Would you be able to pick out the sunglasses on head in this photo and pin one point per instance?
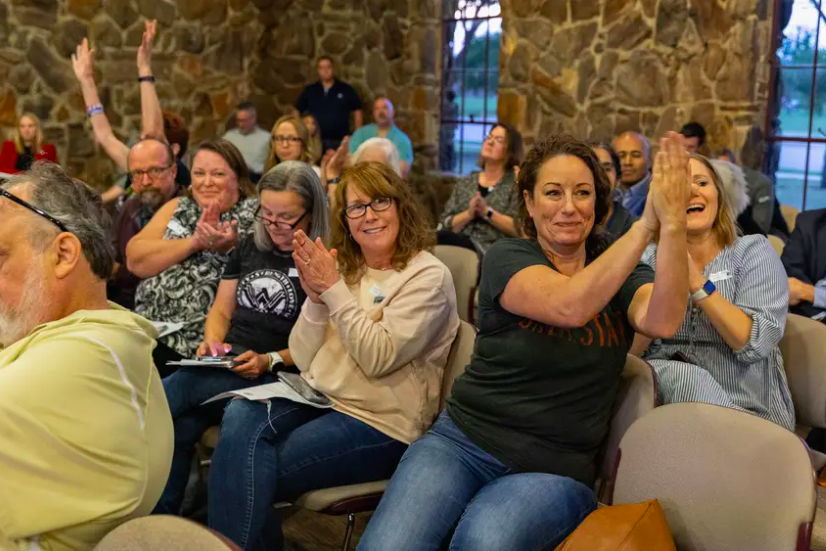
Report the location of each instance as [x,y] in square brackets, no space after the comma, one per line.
[34,209]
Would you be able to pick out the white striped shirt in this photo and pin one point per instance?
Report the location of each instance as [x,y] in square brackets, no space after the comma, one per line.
[748,274]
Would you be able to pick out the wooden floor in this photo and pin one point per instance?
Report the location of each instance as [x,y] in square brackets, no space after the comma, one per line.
[308,531]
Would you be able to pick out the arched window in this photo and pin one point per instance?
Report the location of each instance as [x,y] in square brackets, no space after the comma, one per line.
[470,80]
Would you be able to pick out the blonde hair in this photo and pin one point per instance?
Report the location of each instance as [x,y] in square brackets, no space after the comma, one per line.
[725,225]
[303,135]
[38,136]
[314,145]
[377,180]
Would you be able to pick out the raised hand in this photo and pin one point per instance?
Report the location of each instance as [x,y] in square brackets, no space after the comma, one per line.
[315,262]
[145,49]
[83,62]
[335,164]
[671,181]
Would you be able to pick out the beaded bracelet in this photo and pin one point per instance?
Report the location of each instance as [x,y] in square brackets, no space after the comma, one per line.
[96,109]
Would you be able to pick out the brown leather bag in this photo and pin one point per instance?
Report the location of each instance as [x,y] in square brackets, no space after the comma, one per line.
[633,527]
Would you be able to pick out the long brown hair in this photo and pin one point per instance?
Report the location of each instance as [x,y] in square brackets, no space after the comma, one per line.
[303,135]
[38,135]
[376,180]
[548,148]
[236,163]
[314,145]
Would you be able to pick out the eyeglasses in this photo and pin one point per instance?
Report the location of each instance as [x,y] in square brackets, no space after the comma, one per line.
[280,224]
[501,140]
[378,204]
[153,172]
[34,209]
[289,140]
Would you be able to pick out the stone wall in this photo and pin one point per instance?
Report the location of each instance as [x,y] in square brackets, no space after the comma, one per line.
[597,68]
[210,54]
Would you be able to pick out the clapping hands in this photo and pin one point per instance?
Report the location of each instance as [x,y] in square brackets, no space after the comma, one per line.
[317,267]
[670,189]
[212,234]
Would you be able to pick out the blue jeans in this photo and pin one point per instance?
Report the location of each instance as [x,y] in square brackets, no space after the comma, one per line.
[275,452]
[448,489]
[186,390]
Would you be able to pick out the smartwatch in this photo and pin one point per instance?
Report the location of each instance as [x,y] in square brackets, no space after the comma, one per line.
[489,213]
[275,359]
[703,292]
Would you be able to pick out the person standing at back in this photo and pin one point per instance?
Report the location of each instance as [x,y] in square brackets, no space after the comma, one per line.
[384,126]
[251,140]
[330,101]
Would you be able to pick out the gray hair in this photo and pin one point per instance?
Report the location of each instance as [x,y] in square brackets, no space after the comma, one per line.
[76,205]
[390,151]
[299,178]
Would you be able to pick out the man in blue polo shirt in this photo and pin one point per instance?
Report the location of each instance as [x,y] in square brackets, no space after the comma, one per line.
[330,101]
[385,127]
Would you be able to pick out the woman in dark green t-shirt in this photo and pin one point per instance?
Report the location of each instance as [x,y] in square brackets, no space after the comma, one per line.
[510,464]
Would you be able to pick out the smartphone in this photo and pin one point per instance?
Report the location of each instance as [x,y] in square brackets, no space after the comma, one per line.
[303,388]
[225,362]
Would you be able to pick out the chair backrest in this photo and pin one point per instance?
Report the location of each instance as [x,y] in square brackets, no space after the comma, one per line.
[636,396]
[803,347]
[460,353]
[790,215]
[464,267]
[726,480]
[777,244]
[164,532]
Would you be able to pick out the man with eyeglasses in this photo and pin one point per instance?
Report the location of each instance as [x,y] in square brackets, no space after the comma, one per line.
[85,430]
[635,159]
[152,169]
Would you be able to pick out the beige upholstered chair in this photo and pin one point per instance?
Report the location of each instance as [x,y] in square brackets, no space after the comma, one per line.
[165,533]
[804,356]
[464,267]
[777,244]
[790,215]
[726,480]
[636,396]
[359,498]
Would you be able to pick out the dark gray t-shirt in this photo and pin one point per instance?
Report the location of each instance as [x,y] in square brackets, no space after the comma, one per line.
[268,298]
[538,397]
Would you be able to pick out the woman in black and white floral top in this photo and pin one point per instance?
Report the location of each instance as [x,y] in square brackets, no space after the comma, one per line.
[181,253]
[483,206]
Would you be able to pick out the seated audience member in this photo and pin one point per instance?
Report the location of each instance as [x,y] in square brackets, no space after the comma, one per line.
[156,124]
[251,140]
[289,143]
[17,155]
[331,101]
[519,440]
[634,153]
[726,350]
[181,253]
[374,336]
[733,184]
[483,206]
[86,435]
[385,127]
[152,170]
[695,137]
[760,190]
[619,219]
[804,258]
[258,301]
[314,144]
[374,150]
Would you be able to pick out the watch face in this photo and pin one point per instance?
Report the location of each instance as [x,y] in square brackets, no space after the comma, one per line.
[709,287]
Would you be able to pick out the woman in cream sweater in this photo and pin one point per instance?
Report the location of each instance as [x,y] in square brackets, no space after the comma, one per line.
[373,335]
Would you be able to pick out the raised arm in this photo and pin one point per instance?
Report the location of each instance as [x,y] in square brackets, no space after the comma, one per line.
[148,253]
[83,65]
[151,113]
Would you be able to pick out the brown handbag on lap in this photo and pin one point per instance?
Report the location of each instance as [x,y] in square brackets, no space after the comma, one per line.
[634,527]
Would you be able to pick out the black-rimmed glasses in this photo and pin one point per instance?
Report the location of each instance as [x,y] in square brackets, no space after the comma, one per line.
[34,209]
[378,204]
[280,224]
[153,172]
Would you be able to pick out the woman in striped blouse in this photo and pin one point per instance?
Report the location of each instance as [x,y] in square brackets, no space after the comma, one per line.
[726,351]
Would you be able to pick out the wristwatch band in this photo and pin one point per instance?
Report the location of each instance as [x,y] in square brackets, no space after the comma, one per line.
[146,79]
[703,292]
[275,358]
[489,213]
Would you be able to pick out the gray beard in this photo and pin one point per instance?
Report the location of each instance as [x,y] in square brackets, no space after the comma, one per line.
[152,199]
[17,322]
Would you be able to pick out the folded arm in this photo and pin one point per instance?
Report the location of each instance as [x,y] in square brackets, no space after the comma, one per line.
[148,253]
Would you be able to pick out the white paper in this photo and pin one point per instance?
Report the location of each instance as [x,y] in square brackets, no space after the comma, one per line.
[819,317]
[265,392]
[166,328]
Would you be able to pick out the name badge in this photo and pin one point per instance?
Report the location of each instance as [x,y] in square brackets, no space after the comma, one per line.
[375,290]
[292,273]
[175,228]
[720,276]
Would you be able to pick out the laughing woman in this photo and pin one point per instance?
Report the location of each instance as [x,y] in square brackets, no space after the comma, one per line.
[726,351]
